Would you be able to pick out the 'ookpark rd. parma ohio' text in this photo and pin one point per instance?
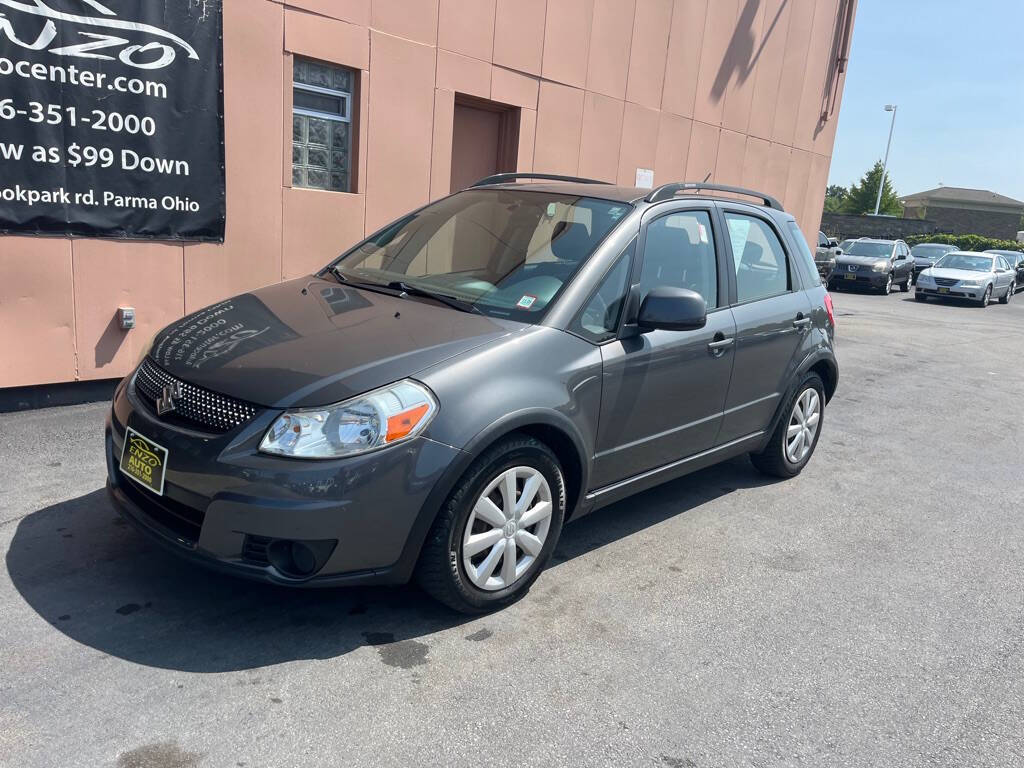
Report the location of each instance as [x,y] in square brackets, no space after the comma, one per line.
[90,198]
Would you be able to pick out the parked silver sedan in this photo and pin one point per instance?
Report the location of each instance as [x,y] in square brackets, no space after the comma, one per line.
[978,277]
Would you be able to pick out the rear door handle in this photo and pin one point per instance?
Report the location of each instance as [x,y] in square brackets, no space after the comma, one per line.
[801,322]
[719,346]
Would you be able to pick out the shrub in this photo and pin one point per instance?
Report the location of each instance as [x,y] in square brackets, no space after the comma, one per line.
[968,242]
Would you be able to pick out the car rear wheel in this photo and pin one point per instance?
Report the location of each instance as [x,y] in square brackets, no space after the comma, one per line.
[1009,294]
[498,528]
[793,442]
[985,297]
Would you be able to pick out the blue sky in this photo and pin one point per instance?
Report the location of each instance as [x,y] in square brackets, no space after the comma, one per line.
[956,70]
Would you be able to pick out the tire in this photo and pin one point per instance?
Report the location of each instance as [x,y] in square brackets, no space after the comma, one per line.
[986,297]
[887,288]
[441,570]
[1009,293]
[774,459]
[920,297]
[905,286]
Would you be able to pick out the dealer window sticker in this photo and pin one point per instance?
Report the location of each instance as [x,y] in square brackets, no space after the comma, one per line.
[526,301]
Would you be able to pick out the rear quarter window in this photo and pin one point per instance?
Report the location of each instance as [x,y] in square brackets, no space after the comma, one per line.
[810,275]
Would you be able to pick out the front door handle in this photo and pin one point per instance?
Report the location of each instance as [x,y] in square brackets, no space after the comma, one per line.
[801,322]
[719,345]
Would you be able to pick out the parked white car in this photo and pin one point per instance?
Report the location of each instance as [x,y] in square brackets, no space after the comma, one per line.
[968,275]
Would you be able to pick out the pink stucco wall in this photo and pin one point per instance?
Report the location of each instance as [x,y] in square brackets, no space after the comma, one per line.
[734,88]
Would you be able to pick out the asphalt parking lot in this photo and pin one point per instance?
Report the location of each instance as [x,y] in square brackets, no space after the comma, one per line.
[867,613]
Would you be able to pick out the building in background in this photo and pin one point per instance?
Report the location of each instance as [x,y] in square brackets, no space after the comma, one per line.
[960,211]
[340,115]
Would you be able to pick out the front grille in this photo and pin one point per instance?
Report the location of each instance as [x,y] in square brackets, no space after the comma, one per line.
[197,406]
[254,550]
[946,281]
[183,521]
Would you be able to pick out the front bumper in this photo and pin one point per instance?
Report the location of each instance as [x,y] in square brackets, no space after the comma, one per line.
[227,506]
[952,292]
[861,278]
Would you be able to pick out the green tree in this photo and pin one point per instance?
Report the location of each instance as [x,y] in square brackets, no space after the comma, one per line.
[862,195]
[834,197]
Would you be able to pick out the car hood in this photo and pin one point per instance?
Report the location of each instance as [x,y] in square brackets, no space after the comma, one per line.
[311,342]
[861,261]
[957,274]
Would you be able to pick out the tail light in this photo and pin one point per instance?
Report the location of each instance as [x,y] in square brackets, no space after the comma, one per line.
[828,308]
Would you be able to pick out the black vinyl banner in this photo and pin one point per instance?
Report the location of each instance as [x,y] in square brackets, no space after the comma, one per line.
[112,119]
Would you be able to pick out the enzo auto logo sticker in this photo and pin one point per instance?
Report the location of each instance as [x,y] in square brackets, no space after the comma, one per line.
[137,50]
[144,461]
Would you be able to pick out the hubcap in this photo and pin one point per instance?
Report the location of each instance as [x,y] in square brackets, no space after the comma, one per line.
[888,284]
[507,528]
[803,425]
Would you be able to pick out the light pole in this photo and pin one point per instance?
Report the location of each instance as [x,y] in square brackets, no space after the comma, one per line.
[885,164]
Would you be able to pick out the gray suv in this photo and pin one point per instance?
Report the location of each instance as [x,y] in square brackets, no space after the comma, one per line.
[440,400]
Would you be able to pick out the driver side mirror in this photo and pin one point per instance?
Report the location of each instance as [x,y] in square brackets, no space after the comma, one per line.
[672,309]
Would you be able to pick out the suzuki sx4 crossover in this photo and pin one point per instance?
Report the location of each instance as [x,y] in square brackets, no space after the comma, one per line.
[439,401]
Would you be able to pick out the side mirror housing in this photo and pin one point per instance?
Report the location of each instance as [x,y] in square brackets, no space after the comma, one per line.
[839,251]
[672,309]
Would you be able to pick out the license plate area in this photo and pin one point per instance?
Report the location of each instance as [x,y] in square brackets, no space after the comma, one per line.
[943,290]
[144,461]
[850,277]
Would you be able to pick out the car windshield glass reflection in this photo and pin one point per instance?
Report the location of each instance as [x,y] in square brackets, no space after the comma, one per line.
[962,261]
[879,250]
[928,251]
[506,253]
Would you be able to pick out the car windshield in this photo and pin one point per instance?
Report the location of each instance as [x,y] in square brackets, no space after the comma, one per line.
[505,253]
[865,248]
[965,261]
[929,251]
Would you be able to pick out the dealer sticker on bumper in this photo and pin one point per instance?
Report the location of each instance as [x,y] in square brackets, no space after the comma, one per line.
[144,461]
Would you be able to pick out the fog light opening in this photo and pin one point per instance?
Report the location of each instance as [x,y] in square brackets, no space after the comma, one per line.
[299,559]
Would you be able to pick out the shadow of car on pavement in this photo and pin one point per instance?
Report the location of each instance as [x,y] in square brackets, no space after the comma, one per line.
[91,576]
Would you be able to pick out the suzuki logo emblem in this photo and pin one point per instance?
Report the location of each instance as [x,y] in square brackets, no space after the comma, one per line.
[166,404]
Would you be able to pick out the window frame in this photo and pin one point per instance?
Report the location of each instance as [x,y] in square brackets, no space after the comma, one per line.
[628,252]
[795,278]
[349,116]
[668,209]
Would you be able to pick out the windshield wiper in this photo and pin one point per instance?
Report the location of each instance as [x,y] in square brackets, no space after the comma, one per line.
[450,301]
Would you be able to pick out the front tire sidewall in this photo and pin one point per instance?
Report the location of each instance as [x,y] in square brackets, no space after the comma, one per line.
[464,595]
[986,298]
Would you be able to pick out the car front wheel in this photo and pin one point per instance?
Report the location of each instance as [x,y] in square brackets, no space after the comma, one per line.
[793,442]
[985,297]
[497,529]
[887,288]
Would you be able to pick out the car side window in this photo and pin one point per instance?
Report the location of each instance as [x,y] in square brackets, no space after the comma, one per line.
[1003,263]
[599,318]
[680,252]
[762,269]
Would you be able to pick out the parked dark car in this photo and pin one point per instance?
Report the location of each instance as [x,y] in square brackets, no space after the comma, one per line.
[1016,262]
[825,255]
[926,254]
[874,264]
[439,400]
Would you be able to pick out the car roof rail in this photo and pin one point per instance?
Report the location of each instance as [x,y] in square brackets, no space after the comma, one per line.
[668,191]
[502,178]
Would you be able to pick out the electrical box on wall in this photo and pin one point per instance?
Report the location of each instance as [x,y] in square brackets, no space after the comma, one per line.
[126,317]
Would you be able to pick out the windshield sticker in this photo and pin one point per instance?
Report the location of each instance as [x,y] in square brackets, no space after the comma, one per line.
[526,302]
[616,213]
[702,232]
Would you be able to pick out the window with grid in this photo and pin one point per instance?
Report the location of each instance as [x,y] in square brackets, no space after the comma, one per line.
[321,125]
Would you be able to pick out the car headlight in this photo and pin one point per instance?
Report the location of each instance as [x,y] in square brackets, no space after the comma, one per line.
[970,284]
[376,419]
[882,266]
[924,277]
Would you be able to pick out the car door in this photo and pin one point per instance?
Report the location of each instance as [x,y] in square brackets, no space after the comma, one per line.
[664,391]
[772,315]
[1004,275]
[904,264]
